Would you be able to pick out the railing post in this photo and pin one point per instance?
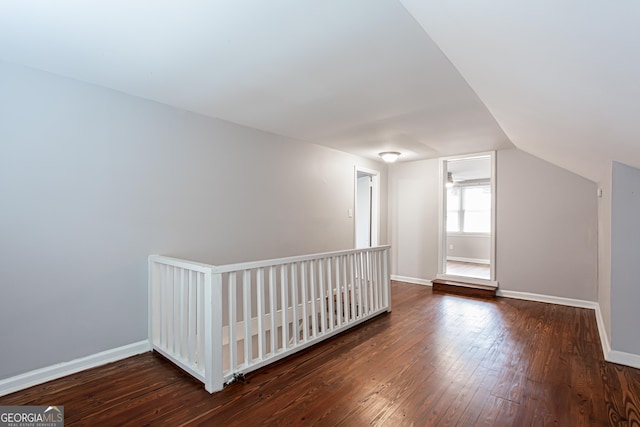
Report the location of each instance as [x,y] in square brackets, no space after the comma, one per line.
[387,282]
[214,380]
[151,327]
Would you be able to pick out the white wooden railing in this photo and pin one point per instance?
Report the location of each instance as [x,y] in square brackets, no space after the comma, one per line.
[219,321]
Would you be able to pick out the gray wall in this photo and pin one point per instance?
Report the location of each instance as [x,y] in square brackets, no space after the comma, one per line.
[546,228]
[92,181]
[476,246]
[546,234]
[625,265]
[413,218]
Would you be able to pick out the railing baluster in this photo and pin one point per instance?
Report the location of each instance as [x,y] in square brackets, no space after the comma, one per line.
[374,280]
[322,296]
[233,322]
[180,313]
[330,294]
[379,279]
[260,303]
[163,307]
[176,310]
[170,316]
[272,308]
[365,282]
[246,315]
[358,285]
[284,285]
[305,302]
[385,275]
[345,289]
[352,270]
[294,304]
[184,313]
[314,310]
[361,288]
[200,320]
[370,289]
[192,317]
[338,261]
[367,256]
[164,326]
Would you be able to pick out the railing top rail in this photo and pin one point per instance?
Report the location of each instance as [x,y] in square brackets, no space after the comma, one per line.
[176,262]
[289,260]
[257,264]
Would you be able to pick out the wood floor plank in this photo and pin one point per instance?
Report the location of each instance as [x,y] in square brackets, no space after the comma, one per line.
[460,402]
[437,359]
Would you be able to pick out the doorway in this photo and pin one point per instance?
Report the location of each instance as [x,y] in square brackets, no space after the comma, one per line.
[467,219]
[367,207]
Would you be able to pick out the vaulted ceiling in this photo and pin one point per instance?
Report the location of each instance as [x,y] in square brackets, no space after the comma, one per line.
[427,78]
[561,77]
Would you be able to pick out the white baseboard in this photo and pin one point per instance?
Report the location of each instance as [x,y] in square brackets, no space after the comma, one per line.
[604,337]
[472,260]
[411,280]
[547,298]
[622,358]
[42,375]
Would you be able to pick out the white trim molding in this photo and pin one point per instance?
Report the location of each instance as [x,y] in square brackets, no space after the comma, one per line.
[413,280]
[42,375]
[375,204]
[442,210]
[614,356]
[547,298]
[473,260]
[622,358]
[467,279]
[602,330]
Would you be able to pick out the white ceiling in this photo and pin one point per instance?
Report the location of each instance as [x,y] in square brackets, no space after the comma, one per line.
[470,168]
[361,76]
[559,77]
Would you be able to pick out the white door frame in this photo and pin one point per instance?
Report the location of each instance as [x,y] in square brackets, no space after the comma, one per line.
[442,225]
[375,203]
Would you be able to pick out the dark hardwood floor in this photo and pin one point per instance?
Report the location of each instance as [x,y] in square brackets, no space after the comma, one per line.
[437,359]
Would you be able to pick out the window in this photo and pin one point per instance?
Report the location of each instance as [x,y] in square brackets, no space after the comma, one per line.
[469,208]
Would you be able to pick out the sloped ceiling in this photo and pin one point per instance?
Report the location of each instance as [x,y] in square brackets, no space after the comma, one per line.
[562,78]
[558,79]
[361,76]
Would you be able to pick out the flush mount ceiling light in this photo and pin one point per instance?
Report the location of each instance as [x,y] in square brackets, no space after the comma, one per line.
[389,156]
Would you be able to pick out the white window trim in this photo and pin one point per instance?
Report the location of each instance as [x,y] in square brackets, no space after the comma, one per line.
[442,225]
